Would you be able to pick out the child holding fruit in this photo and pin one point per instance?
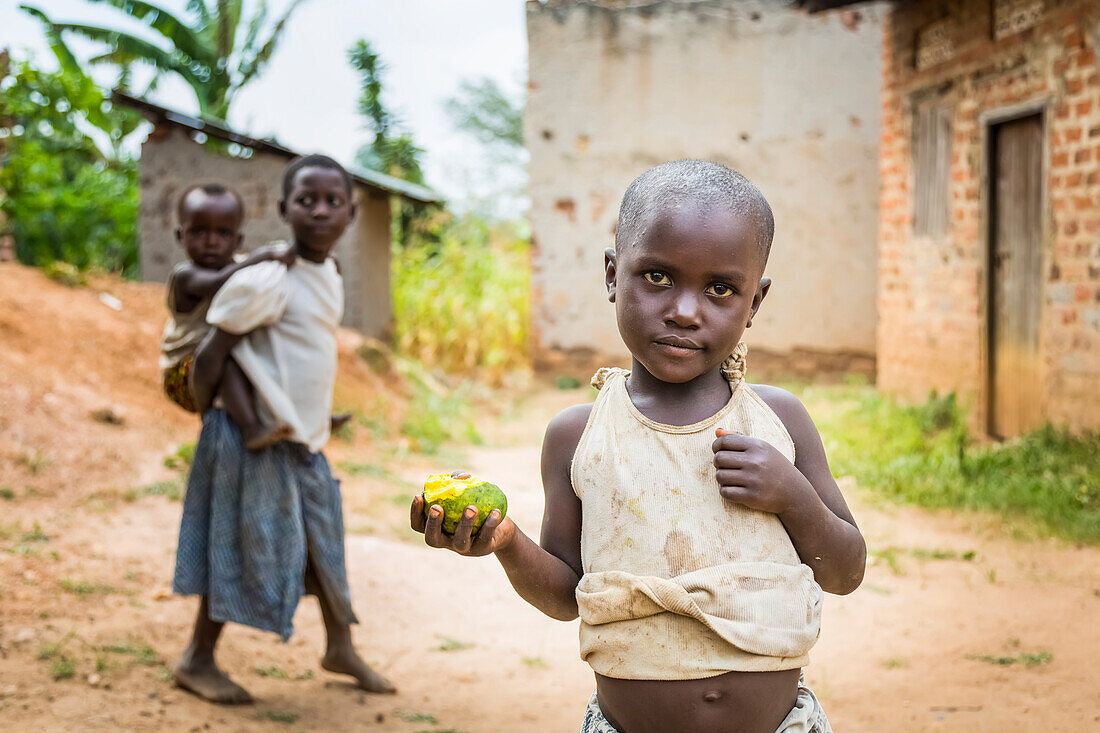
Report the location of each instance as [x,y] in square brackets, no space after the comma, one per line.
[691,519]
[260,528]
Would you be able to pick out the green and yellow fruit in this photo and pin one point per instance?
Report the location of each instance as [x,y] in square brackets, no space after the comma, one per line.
[456,491]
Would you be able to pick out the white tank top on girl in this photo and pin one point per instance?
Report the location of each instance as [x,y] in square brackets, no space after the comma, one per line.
[678,582]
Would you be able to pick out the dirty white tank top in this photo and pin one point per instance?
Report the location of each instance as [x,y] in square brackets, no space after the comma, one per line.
[678,582]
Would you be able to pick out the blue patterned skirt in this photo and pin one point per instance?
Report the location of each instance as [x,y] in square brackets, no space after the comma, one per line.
[250,523]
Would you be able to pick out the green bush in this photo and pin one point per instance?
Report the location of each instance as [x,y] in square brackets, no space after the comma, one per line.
[462,298]
[65,199]
[923,455]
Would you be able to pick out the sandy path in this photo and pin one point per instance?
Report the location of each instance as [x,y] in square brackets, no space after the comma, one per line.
[893,656]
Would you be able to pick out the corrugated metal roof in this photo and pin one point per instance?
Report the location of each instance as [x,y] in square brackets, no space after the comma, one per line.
[217,129]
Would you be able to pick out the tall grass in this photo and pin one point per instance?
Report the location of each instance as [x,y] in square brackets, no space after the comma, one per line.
[923,455]
[462,298]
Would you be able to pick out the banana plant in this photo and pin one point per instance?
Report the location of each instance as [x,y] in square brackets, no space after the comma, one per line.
[213,50]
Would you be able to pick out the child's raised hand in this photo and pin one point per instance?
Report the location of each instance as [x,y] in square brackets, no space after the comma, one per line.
[751,472]
[494,534]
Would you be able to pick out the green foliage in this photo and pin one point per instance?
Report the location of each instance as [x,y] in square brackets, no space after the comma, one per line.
[141,652]
[484,110]
[462,303]
[281,716]
[391,151]
[923,455]
[65,199]
[1025,658]
[271,671]
[214,50]
[433,419]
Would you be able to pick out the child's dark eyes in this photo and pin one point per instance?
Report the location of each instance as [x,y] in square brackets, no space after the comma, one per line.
[720,290]
[658,278]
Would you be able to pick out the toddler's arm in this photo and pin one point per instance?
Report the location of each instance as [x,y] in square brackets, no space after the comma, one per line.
[546,574]
[197,283]
[804,495]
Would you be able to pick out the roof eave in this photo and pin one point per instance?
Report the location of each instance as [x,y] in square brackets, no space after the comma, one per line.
[217,129]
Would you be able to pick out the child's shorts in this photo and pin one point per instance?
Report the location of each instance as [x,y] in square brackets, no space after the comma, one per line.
[177,384]
[805,717]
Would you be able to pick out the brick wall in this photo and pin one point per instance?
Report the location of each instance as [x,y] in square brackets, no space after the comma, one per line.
[932,295]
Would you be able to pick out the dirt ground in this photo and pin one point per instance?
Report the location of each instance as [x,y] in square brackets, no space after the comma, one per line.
[957,627]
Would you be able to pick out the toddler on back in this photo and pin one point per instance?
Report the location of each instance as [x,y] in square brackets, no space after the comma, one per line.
[210,218]
[691,519]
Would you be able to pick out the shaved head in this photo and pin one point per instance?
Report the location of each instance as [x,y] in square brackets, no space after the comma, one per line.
[697,183]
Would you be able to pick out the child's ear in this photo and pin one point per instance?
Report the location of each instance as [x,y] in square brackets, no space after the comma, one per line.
[352,212]
[179,235]
[609,273]
[282,209]
[761,293]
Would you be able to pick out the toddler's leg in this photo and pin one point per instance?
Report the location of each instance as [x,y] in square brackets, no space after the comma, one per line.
[196,670]
[240,402]
[206,370]
[340,655]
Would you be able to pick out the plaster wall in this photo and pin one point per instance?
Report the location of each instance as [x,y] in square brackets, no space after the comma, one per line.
[790,100]
[171,161]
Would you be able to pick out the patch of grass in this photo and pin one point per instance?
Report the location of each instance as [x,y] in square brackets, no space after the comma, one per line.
[36,461]
[142,653]
[7,493]
[63,669]
[454,645]
[923,455]
[172,489]
[65,273]
[535,662]
[36,535]
[566,382]
[52,650]
[270,671]
[895,662]
[433,418]
[182,458]
[1025,658]
[84,588]
[374,470]
[922,553]
[102,663]
[280,716]
[889,555]
[410,717]
[307,675]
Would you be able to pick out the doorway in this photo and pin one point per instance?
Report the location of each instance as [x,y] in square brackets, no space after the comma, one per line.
[1015,275]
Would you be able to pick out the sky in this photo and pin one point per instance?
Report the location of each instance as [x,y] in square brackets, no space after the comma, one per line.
[306,97]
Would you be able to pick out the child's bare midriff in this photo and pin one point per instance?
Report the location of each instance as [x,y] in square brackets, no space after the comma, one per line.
[745,702]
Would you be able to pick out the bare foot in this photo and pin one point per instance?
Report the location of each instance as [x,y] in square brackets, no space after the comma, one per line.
[209,682]
[263,437]
[348,662]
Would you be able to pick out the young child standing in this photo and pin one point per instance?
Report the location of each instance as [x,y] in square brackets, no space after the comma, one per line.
[261,528]
[210,218]
[691,520]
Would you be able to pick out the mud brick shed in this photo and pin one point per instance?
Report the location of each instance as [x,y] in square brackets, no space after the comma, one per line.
[989,238]
[174,157]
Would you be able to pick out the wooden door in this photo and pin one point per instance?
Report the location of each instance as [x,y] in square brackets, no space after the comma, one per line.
[1015,271]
